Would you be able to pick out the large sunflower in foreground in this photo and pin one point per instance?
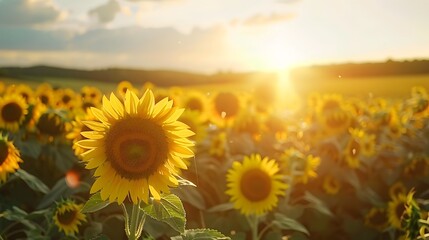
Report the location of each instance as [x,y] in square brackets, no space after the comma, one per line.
[9,158]
[396,209]
[254,185]
[67,217]
[136,147]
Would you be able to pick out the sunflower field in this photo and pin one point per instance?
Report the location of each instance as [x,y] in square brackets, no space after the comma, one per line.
[150,162]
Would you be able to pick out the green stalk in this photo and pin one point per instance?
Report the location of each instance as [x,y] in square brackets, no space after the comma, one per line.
[253,223]
[133,222]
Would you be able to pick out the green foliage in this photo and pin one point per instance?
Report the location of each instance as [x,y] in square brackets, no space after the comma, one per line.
[32,181]
[201,234]
[94,203]
[169,210]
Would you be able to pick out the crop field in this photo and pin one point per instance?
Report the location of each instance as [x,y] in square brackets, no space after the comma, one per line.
[343,158]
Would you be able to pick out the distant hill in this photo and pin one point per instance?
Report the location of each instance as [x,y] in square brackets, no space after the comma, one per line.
[351,70]
[115,75]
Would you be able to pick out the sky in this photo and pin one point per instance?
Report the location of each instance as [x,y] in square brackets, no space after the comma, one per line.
[208,36]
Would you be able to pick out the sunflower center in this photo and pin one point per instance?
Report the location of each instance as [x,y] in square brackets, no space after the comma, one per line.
[67,217]
[330,105]
[136,147]
[4,152]
[194,104]
[399,210]
[66,99]
[227,103]
[44,99]
[11,112]
[255,185]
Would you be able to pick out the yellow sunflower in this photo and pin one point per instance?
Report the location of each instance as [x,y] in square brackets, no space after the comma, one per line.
[22,90]
[195,101]
[255,185]
[397,189]
[225,107]
[13,109]
[45,94]
[137,147]
[396,210]
[331,185]
[66,98]
[217,145]
[9,158]
[333,114]
[91,97]
[358,144]
[124,86]
[308,168]
[51,124]
[74,130]
[67,217]
[377,218]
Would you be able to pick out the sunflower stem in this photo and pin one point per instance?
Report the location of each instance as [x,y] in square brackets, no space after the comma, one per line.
[253,223]
[133,233]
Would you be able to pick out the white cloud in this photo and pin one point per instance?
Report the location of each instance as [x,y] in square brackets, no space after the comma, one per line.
[262,19]
[106,13]
[28,12]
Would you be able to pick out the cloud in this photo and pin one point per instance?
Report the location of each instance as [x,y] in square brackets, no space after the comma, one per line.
[260,19]
[27,12]
[128,46]
[106,12]
[30,39]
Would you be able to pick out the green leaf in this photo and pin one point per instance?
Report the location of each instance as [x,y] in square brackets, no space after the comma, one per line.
[202,234]
[316,203]
[95,203]
[222,207]
[18,215]
[190,195]
[185,182]
[93,230]
[32,181]
[287,223]
[169,210]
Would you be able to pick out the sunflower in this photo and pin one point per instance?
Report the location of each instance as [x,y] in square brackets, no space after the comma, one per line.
[66,98]
[396,189]
[13,109]
[358,144]
[331,185]
[377,218]
[74,130]
[22,90]
[195,101]
[51,123]
[137,147]
[308,168]
[45,94]
[9,158]
[396,209]
[217,145]
[91,97]
[67,217]
[226,106]
[124,86]
[255,185]
[333,114]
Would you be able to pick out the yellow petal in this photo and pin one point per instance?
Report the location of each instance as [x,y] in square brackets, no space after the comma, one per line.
[99,114]
[117,105]
[96,126]
[92,135]
[88,143]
